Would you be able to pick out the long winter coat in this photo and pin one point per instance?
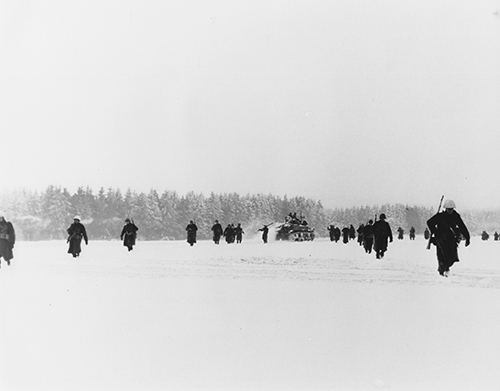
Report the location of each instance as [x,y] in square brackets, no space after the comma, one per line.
[382,233]
[76,233]
[7,240]
[191,233]
[129,234]
[217,230]
[446,229]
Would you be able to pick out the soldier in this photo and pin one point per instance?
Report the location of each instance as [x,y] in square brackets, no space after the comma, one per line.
[382,232]
[191,232]
[265,232]
[337,234]
[360,234]
[76,233]
[129,234]
[427,234]
[331,232]
[239,233]
[368,237]
[412,233]
[345,234]
[352,232]
[217,230]
[401,232]
[7,239]
[485,235]
[495,236]
[229,234]
[446,228]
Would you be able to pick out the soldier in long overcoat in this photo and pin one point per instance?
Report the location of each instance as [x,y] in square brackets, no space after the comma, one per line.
[129,234]
[446,228]
[7,240]
[76,232]
[382,233]
[191,232]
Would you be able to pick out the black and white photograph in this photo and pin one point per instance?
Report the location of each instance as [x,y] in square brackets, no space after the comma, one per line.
[249,195]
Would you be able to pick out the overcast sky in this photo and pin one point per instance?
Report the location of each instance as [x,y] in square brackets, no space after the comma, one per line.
[350,102]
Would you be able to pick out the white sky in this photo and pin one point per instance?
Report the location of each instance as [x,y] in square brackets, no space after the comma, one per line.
[351,102]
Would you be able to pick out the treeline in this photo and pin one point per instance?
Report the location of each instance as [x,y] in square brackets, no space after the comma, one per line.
[47,214]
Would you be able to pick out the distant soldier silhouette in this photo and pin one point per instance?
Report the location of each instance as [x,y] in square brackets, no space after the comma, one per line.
[412,233]
[495,236]
[446,229]
[129,234]
[401,232]
[191,232]
[217,231]
[360,231]
[427,234]
[7,239]
[265,232]
[382,233]
[239,233]
[485,235]
[345,235]
[229,233]
[368,237]
[337,234]
[352,232]
[331,232]
[76,233]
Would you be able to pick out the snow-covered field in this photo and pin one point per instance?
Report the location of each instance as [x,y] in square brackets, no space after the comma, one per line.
[278,316]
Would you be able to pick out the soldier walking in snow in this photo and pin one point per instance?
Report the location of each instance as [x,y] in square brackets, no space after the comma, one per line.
[446,228]
[7,239]
[331,232]
[345,234]
[368,237]
[427,234]
[352,232]
[191,232]
[229,234]
[382,233]
[495,236]
[265,232]
[485,235]
[76,232]
[239,233]
[412,233]
[217,230]
[401,232]
[336,233]
[360,231]
[129,234]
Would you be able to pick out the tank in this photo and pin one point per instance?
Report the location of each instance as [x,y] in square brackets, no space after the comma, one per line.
[294,231]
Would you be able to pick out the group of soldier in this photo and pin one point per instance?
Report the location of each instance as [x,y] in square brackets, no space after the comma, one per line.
[445,230]
[371,236]
[485,236]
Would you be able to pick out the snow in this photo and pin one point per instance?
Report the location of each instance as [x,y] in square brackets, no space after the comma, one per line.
[315,315]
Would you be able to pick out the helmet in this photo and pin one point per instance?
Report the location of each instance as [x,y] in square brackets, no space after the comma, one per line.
[77,218]
[127,220]
[382,216]
[449,204]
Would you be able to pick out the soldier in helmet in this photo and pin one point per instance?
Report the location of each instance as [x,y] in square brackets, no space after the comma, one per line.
[401,232]
[412,233]
[382,233]
[76,233]
[129,234]
[191,232]
[446,229]
[7,239]
[217,230]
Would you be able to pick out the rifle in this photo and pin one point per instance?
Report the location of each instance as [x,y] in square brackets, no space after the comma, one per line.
[430,236]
